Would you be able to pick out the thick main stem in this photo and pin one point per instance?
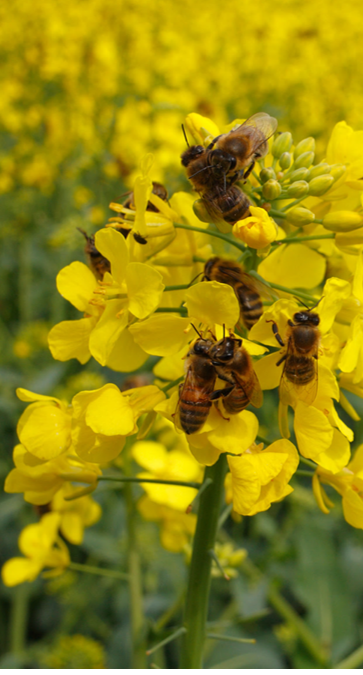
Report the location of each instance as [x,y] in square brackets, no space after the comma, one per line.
[196,606]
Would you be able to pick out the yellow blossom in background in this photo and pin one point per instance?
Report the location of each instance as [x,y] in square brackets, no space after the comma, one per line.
[176,527]
[42,547]
[44,427]
[75,514]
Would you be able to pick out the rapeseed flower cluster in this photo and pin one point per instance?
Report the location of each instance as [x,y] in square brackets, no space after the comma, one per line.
[301,244]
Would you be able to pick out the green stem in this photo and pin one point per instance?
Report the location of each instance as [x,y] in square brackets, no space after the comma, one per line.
[174,310]
[301,472]
[172,384]
[353,660]
[100,571]
[294,203]
[135,585]
[197,598]
[19,619]
[293,291]
[297,240]
[308,462]
[181,287]
[135,479]
[211,233]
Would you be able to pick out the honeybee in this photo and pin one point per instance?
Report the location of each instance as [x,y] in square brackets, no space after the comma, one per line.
[229,205]
[196,390]
[97,262]
[231,273]
[234,365]
[300,373]
[238,149]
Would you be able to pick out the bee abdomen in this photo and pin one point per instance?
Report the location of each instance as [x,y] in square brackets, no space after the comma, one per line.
[251,306]
[236,401]
[193,414]
[300,369]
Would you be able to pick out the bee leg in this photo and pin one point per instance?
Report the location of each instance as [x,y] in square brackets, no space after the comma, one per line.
[249,170]
[275,330]
[218,393]
[280,361]
[225,378]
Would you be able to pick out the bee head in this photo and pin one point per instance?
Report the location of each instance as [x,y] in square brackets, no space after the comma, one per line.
[222,161]
[307,318]
[201,347]
[191,153]
[208,267]
[223,350]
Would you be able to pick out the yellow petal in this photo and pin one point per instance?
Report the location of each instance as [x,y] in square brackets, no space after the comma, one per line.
[110,413]
[334,293]
[353,509]
[161,334]
[297,265]
[112,245]
[70,340]
[17,570]
[72,527]
[213,303]
[245,485]
[126,356]
[44,430]
[76,283]
[150,455]
[29,396]
[107,331]
[144,287]
[350,353]
[314,434]
[337,455]
[269,375]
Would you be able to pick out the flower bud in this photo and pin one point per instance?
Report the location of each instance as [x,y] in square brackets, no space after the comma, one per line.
[299,174]
[271,190]
[318,170]
[258,230]
[298,189]
[267,174]
[307,145]
[342,221]
[281,144]
[300,216]
[305,159]
[337,171]
[321,184]
[285,160]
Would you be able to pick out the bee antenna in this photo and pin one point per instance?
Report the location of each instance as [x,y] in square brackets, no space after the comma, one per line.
[301,302]
[224,331]
[197,332]
[198,275]
[185,136]
[84,233]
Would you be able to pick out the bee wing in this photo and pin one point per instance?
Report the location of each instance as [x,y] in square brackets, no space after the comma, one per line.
[256,396]
[263,122]
[291,393]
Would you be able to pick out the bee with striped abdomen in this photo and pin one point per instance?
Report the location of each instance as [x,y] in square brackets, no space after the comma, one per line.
[234,365]
[246,289]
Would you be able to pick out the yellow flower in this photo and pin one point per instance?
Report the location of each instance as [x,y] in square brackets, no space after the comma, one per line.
[217,435]
[258,230]
[41,480]
[176,464]
[259,477]
[132,289]
[44,428]
[176,528]
[42,547]
[229,558]
[75,514]
[104,417]
[349,484]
